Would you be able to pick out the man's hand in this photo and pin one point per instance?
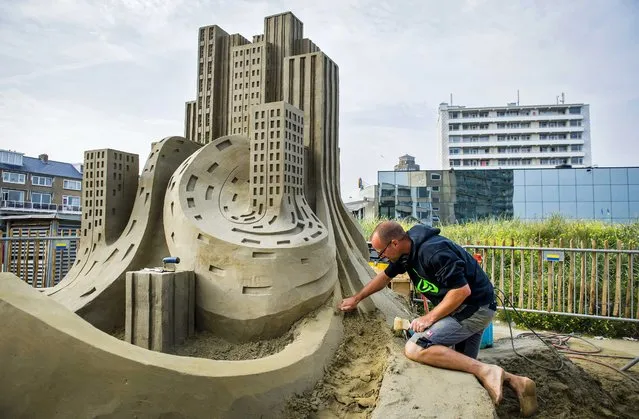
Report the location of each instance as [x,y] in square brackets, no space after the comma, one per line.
[421,323]
[349,304]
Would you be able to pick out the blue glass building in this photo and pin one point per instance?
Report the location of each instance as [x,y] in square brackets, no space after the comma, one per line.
[455,196]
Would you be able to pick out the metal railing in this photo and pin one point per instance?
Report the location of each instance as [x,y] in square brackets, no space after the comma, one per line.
[39,207]
[38,260]
[581,281]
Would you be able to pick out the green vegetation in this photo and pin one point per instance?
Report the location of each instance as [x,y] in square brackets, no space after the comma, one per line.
[522,232]
[545,284]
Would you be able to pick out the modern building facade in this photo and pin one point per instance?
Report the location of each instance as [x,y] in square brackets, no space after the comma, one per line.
[514,136]
[457,196]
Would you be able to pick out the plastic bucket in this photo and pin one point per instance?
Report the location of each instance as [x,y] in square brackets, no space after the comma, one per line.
[487,337]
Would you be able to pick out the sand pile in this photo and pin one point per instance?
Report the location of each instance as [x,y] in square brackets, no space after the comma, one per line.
[351,384]
[572,392]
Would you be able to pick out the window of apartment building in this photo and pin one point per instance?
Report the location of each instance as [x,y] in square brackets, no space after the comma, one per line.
[74,185]
[453,115]
[454,163]
[576,147]
[455,150]
[437,176]
[434,188]
[71,201]
[13,177]
[575,135]
[526,162]
[575,110]
[12,195]
[575,123]
[577,160]
[38,198]
[501,113]
[453,127]
[10,157]
[41,180]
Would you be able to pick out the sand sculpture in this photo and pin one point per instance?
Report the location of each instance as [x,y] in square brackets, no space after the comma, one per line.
[250,203]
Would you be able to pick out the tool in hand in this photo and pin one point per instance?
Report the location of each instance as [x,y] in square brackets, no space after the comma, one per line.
[402,327]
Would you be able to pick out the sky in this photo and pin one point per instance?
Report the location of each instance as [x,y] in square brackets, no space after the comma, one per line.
[86,74]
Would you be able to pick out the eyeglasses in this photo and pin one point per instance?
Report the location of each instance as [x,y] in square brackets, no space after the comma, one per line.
[381,254]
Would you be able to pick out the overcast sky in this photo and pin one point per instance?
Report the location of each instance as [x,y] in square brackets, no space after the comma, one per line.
[85,74]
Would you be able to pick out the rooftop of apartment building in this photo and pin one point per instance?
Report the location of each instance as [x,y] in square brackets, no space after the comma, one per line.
[514,105]
[11,160]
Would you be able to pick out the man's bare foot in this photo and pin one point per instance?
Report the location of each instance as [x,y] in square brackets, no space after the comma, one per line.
[526,391]
[492,378]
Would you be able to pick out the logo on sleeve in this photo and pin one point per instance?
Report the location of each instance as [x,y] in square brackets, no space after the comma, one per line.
[424,286]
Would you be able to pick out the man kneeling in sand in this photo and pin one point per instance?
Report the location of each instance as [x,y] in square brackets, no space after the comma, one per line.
[464,302]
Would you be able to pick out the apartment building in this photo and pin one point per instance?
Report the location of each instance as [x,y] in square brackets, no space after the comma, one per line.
[514,136]
[39,199]
[38,185]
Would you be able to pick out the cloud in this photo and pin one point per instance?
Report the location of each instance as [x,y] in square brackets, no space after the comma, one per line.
[79,74]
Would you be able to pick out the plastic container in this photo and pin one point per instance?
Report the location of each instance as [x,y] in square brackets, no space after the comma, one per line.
[487,337]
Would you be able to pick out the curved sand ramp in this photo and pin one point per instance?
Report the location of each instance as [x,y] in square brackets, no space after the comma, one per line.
[94,287]
[258,268]
[74,370]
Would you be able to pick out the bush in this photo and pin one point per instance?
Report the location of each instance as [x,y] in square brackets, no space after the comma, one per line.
[569,324]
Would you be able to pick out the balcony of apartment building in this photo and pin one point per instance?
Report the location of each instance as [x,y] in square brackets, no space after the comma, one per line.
[7,205]
[521,153]
[513,128]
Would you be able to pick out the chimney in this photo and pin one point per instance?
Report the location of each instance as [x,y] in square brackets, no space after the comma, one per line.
[44,158]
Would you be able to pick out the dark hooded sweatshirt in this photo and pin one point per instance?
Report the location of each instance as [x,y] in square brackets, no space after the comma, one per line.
[437,264]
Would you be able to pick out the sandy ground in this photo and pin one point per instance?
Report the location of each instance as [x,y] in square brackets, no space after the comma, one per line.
[580,389]
[351,384]
[207,345]
[370,355]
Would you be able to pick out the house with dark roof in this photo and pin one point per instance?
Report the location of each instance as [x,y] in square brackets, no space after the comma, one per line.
[40,199]
[38,185]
